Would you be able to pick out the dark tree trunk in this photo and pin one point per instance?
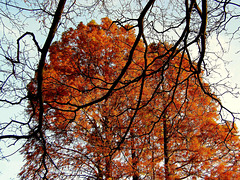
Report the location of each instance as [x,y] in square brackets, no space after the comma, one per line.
[166,152]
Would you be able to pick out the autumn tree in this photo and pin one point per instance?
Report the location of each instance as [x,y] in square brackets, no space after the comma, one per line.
[147,129]
[109,103]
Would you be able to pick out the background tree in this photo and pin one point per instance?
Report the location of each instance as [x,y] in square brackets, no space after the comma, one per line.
[183,25]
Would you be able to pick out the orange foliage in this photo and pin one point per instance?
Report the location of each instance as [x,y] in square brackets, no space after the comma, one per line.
[174,120]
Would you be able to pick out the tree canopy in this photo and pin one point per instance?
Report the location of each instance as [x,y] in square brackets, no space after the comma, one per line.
[150,127]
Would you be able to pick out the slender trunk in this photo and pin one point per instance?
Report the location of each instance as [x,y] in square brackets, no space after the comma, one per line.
[166,151]
[134,160]
[134,164]
[108,168]
[153,165]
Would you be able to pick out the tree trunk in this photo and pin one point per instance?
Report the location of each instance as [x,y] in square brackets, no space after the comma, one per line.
[166,153]
[108,168]
[153,164]
[134,160]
